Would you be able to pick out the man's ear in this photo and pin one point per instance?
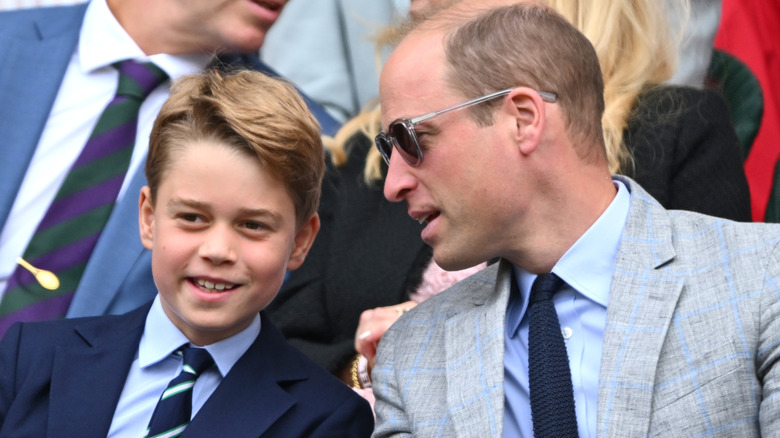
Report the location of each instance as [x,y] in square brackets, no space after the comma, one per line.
[529,114]
[304,238]
[146,217]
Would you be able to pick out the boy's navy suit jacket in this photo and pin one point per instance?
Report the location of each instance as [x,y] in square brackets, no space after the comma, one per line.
[64,378]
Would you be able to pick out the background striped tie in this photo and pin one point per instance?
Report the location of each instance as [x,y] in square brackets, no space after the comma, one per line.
[71,227]
[174,409]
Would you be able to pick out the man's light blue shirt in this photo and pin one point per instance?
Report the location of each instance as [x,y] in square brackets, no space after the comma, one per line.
[587,269]
[155,366]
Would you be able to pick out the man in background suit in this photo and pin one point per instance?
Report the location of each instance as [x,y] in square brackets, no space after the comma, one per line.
[57,77]
[670,319]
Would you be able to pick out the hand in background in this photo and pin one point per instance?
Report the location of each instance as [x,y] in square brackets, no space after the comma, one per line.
[373,324]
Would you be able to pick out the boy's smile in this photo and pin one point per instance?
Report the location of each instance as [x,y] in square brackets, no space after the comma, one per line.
[212,286]
[223,233]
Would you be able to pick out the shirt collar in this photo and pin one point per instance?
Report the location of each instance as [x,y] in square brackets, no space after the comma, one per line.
[103,41]
[587,266]
[168,338]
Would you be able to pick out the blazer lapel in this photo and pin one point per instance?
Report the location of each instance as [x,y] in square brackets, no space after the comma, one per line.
[250,398]
[475,372]
[116,253]
[88,380]
[35,60]
[642,300]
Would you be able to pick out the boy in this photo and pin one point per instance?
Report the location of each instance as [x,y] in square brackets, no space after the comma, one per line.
[234,170]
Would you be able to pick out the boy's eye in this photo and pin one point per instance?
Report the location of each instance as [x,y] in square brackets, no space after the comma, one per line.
[189,217]
[254,226]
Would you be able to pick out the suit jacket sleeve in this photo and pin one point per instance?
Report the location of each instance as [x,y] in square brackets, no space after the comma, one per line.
[686,153]
[344,422]
[391,417]
[768,349]
[9,346]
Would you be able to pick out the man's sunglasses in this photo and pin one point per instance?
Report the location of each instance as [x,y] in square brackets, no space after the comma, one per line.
[401,132]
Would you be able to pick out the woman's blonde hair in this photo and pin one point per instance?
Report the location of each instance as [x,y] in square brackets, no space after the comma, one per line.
[636,48]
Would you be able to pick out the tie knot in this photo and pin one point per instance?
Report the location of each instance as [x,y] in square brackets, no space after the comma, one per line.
[138,79]
[196,360]
[544,287]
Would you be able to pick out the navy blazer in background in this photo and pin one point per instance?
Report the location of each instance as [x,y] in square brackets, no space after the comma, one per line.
[64,378]
[35,48]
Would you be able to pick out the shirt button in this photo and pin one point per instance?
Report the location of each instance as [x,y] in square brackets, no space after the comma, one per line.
[567,332]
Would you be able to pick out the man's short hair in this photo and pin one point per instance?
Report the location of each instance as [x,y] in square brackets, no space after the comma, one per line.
[524,44]
[251,112]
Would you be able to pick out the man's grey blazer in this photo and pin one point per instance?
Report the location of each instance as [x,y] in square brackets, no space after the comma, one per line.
[691,345]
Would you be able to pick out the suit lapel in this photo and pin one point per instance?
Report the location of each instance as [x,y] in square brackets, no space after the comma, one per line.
[475,371]
[642,300]
[89,376]
[113,258]
[35,59]
[254,381]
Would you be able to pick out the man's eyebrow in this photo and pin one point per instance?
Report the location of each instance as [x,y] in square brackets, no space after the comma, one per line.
[428,127]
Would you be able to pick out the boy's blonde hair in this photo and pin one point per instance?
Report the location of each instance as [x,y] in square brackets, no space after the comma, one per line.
[248,111]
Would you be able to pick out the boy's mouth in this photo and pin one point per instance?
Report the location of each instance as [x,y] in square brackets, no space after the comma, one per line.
[210,286]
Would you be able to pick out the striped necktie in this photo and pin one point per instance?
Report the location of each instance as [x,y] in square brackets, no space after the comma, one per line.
[65,238]
[174,409]
[549,375]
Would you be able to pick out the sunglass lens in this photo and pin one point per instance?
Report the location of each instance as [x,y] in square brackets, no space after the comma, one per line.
[406,143]
[385,146]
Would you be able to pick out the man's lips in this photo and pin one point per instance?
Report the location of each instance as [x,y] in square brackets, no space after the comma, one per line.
[424,216]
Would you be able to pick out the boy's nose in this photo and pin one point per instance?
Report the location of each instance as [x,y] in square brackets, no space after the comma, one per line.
[218,245]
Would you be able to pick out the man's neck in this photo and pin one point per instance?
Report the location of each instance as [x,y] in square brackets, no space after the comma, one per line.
[560,221]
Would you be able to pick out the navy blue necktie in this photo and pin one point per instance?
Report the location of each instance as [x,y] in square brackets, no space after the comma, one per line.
[549,376]
[174,409]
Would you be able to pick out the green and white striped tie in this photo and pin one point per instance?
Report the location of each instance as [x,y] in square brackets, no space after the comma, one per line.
[174,409]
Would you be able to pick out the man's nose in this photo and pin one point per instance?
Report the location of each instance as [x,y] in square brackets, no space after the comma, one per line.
[399,180]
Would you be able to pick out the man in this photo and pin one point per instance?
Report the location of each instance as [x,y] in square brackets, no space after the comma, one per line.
[492,135]
[59,76]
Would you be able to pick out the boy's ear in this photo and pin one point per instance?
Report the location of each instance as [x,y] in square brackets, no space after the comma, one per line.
[304,238]
[146,217]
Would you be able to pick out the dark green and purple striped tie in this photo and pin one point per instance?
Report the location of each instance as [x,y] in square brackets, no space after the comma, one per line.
[66,236]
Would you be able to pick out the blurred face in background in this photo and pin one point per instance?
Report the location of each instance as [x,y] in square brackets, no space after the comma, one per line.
[231,25]
[198,26]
